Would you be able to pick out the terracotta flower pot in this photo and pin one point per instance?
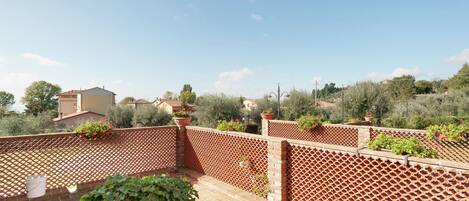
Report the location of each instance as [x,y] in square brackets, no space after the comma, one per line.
[267,116]
[182,121]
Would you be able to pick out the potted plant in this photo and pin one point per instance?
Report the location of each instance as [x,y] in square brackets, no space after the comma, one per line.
[267,114]
[182,118]
[308,122]
[92,130]
[450,132]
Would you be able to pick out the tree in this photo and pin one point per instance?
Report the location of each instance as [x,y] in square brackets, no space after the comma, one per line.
[262,104]
[328,90]
[401,88]
[212,108]
[423,87]
[299,103]
[362,98]
[150,116]
[120,116]
[461,79]
[169,95]
[40,97]
[126,100]
[6,99]
[187,95]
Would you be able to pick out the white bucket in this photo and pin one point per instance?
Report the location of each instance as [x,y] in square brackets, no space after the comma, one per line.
[36,186]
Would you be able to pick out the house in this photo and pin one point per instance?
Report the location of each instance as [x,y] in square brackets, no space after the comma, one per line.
[83,105]
[138,103]
[77,118]
[168,106]
[250,104]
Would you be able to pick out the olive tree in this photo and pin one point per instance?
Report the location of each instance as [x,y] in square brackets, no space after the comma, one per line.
[215,107]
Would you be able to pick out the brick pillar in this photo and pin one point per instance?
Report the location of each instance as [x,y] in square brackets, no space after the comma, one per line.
[277,170]
[180,137]
[364,136]
[265,127]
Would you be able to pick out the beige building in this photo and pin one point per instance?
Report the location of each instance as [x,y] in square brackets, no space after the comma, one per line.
[84,104]
[250,104]
[139,103]
[168,106]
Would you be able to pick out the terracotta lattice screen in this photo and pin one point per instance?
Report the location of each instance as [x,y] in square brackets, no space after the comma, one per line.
[328,134]
[218,154]
[454,151]
[314,174]
[67,158]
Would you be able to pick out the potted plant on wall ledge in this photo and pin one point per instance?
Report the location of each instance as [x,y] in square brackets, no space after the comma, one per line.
[182,118]
[267,114]
[308,122]
[92,130]
[450,132]
[369,116]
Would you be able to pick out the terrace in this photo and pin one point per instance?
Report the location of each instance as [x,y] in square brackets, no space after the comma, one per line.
[330,162]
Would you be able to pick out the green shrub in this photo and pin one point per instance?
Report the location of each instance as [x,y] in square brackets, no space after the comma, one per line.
[308,122]
[395,122]
[401,146]
[181,114]
[231,126]
[150,116]
[92,129]
[210,109]
[120,116]
[450,132]
[124,188]
[13,125]
[382,141]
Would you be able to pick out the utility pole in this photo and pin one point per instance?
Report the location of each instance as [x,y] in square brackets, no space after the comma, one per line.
[278,95]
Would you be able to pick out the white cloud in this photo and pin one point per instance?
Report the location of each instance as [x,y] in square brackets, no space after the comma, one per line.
[256,17]
[44,61]
[460,58]
[231,81]
[2,60]
[416,72]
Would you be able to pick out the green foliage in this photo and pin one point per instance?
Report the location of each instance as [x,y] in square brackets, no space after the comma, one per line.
[126,100]
[93,129]
[401,88]
[149,188]
[27,124]
[328,91]
[299,103]
[181,113]
[423,87]
[13,125]
[6,99]
[231,126]
[361,98]
[40,97]
[212,108]
[450,132]
[401,146]
[120,116]
[382,141]
[461,79]
[307,122]
[187,96]
[150,116]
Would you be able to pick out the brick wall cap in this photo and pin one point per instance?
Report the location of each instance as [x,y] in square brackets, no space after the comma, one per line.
[325,125]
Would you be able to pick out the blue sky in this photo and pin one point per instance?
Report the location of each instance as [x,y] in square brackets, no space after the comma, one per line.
[143,48]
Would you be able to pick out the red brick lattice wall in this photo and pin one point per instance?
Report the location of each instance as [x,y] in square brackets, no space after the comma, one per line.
[454,151]
[328,134]
[314,174]
[217,154]
[66,158]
